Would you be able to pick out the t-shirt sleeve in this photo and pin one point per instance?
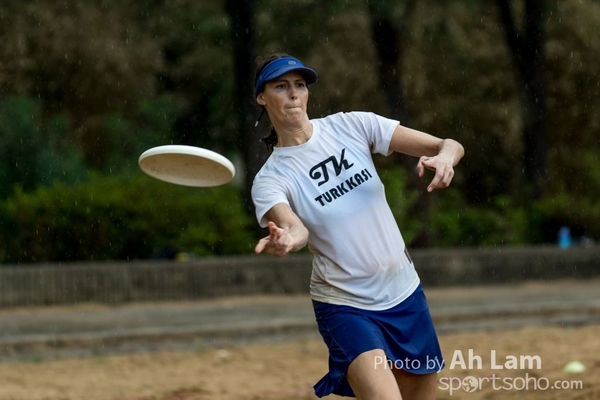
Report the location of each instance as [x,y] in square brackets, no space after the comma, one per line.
[378,130]
[266,193]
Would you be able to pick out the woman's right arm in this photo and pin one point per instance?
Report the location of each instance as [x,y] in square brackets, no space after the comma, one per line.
[287,233]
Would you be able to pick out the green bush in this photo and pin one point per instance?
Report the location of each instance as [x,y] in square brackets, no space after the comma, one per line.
[21,142]
[400,199]
[34,152]
[580,214]
[452,221]
[129,135]
[132,216]
[119,217]
[456,223]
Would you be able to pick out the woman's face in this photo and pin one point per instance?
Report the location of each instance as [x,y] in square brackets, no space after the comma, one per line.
[285,98]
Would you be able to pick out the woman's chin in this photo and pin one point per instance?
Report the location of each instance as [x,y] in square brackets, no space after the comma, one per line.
[295,115]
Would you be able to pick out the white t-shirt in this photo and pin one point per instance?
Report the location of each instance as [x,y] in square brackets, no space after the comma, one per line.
[330,182]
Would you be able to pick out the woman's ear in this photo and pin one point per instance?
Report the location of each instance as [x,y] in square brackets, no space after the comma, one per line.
[260,99]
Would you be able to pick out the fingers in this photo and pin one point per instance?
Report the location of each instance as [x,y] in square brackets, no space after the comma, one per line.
[421,167]
[264,242]
[444,172]
[443,177]
[277,243]
[261,245]
[425,162]
[274,231]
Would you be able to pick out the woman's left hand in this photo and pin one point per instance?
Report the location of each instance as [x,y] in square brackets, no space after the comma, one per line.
[443,168]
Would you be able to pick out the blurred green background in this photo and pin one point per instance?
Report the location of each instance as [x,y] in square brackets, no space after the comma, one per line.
[86,86]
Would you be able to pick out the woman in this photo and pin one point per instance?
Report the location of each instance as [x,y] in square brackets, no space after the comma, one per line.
[319,188]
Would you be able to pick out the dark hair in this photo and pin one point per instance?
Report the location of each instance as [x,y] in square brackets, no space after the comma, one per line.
[270,140]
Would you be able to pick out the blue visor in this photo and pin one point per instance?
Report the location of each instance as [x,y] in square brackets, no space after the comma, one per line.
[281,66]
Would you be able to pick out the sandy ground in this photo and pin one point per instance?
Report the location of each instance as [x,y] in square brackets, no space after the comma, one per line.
[288,370]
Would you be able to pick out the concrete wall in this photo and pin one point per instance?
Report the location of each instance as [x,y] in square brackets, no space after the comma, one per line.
[118,282]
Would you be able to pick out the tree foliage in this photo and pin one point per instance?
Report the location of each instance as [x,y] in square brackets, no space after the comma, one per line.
[87,85]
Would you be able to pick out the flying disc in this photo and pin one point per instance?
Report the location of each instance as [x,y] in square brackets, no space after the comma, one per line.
[187,166]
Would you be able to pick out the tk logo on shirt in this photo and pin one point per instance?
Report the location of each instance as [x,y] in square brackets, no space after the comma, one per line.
[320,170]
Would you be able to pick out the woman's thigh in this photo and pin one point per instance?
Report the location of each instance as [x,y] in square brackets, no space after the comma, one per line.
[371,377]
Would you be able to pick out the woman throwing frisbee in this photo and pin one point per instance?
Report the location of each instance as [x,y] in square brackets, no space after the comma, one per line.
[319,188]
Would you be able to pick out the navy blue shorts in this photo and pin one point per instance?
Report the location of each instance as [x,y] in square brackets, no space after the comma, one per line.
[405,333]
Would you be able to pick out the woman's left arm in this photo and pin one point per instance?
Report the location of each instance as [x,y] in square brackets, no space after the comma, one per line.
[438,155]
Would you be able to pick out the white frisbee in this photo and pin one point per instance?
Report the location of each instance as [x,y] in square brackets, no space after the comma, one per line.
[187,166]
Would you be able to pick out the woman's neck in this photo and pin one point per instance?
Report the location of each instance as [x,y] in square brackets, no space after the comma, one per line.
[290,136]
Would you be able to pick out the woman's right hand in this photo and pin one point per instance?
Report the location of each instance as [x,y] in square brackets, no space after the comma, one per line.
[278,243]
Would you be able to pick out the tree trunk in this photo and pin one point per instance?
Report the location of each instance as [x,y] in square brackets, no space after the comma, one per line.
[241,13]
[387,37]
[528,56]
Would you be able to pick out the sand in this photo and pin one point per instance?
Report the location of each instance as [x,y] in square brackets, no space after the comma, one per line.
[529,357]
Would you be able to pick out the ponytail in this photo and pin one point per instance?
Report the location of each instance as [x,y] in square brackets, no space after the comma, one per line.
[270,140]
